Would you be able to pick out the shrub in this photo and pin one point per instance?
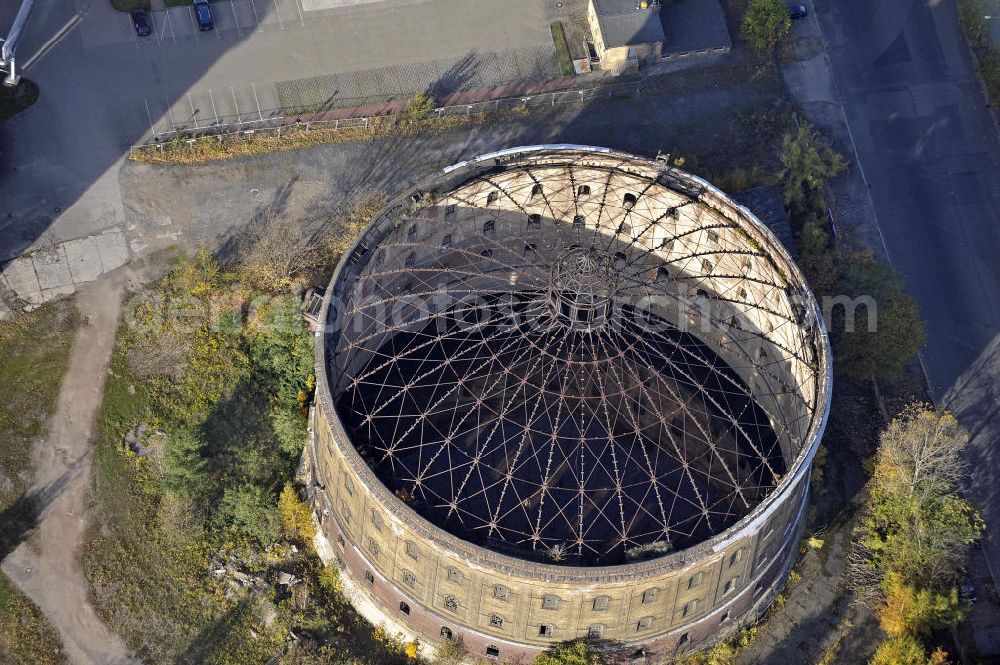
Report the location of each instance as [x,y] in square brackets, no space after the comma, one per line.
[249,511]
[296,518]
[765,24]
[569,653]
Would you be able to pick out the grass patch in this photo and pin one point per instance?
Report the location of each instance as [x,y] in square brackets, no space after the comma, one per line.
[129,5]
[14,100]
[221,394]
[34,353]
[562,48]
[25,635]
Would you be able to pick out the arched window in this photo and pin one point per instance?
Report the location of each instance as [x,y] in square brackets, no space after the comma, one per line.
[446,241]
[534,221]
[411,234]
[369,577]
[404,608]
[536,190]
[529,252]
[706,266]
[410,260]
[446,632]
[582,191]
[492,652]
[489,227]
[496,620]
[492,197]
[486,253]
[451,603]
[578,222]
[662,274]
[629,200]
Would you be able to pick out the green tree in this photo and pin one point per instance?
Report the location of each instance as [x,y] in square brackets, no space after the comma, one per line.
[816,260]
[916,529]
[184,466]
[885,333]
[569,653]
[250,511]
[290,428]
[765,24]
[419,107]
[808,162]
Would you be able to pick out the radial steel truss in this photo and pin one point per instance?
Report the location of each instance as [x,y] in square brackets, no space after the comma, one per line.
[575,363]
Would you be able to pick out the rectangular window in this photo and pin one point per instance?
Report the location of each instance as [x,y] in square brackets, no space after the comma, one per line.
[409,578]
[550,602]
[649,595]
[454,575]
[373,547]
[412,551]
[696,580]
[601,603]
[545,630]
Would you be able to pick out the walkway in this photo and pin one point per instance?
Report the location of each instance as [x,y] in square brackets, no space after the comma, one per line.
[47,566]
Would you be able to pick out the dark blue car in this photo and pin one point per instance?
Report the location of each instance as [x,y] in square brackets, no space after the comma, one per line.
[203,12]
[797,11]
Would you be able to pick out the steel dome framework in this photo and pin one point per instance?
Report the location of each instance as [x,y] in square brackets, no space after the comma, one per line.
[575,358]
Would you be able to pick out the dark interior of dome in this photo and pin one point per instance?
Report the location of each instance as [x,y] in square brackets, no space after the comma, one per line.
[578,447]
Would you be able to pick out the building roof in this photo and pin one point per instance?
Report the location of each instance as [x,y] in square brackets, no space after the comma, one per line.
[626,23]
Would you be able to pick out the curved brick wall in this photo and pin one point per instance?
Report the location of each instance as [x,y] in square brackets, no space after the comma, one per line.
[434,584]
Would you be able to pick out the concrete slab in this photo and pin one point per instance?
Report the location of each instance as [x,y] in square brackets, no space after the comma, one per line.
[20,277]
[52,268]
[112,249]
[810,80]
[84,261]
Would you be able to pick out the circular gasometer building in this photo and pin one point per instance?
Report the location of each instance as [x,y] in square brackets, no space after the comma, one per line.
[565,392]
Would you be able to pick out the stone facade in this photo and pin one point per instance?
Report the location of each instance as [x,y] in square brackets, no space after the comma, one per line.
[441,587]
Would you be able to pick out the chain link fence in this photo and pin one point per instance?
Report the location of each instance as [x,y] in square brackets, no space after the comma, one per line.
[283,121]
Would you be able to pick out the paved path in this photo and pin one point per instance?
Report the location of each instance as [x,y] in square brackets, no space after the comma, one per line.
[47,566]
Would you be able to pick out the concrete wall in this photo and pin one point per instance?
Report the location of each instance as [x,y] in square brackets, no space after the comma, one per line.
[666,610]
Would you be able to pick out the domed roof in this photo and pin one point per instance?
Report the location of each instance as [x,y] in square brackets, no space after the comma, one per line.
[517,363]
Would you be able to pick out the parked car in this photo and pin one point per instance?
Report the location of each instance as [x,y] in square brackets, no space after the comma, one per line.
[797,11]
[142,22]
[203,11]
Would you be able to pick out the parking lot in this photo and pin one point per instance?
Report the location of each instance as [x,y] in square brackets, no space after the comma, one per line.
[178,25]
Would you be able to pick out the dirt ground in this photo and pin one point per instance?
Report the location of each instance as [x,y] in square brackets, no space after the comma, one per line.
[46,566]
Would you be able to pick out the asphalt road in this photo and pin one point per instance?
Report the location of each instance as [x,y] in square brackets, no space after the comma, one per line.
[929,151]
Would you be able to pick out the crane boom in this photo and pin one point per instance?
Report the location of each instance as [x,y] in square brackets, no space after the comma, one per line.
[7,50]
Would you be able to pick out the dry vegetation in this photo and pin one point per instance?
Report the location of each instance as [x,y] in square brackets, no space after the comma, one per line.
[293,137]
